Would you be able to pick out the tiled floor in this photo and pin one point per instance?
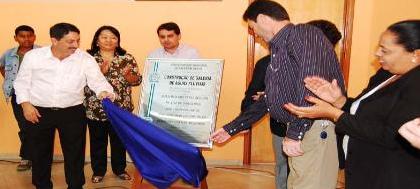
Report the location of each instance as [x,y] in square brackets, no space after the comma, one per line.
[220,177]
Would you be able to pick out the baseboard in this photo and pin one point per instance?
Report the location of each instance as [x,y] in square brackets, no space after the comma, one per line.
[14,157]
[60,158]
[213,162]
[57,158]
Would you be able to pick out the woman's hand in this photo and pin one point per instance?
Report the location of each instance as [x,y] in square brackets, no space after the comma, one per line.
[320,109]
[329,92]
[104,66]
[411,132]
[132,79]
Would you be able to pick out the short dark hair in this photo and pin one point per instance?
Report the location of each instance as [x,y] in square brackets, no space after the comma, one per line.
[24,28]
[94,48]
[265,7]
[329,29]
[59,30]
[408,34]
[170,26]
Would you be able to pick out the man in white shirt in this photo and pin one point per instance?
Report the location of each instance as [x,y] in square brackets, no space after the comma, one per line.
[169,36]
[49,87]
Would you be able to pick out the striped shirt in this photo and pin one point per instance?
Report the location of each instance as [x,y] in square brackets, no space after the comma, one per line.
[297,51]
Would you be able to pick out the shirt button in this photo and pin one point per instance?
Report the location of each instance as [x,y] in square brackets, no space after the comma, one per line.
[323,135]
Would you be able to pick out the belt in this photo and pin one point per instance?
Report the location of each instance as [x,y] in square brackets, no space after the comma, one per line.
[58,108]
[51,108]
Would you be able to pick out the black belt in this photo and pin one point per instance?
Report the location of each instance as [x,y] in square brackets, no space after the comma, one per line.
[58,108]
[50,108]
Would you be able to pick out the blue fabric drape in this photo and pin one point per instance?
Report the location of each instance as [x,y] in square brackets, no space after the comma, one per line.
[160,157]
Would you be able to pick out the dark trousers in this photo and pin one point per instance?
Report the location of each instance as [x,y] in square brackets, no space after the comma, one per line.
[99,132]
[24,152]
[71,125]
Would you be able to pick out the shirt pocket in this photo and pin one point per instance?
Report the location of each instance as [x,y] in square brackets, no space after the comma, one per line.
[8,67]
[73,83]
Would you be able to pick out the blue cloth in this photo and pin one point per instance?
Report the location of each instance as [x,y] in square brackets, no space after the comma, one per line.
[160,157]
[10,62]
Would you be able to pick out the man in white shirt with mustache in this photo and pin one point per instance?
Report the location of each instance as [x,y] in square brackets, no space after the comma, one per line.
[49,87]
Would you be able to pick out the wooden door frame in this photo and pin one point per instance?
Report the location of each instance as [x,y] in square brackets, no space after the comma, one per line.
[344,60]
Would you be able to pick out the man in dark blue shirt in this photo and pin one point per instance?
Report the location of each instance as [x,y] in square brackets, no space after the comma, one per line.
[256,89]
[297,51]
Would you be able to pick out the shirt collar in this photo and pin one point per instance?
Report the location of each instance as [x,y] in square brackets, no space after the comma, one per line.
[50,55]
[281,35]
[15,50]
[180,46]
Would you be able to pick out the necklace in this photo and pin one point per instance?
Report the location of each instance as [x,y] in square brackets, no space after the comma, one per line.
[107,56]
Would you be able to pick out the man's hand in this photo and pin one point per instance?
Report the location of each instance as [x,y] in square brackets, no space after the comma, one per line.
[258,96]
[30,112]
[105,94]
[292,148]
[220,136]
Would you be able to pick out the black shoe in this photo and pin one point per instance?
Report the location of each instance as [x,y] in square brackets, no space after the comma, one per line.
[24,165]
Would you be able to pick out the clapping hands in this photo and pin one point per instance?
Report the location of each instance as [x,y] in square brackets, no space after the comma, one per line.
[327,91]
[326,106]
